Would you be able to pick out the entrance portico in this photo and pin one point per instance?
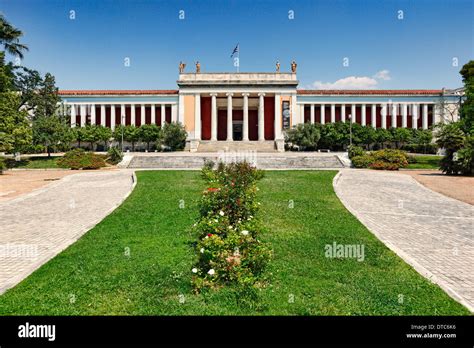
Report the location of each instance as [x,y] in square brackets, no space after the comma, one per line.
[235,106]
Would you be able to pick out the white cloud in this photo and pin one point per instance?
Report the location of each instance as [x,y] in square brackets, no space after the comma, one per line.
[351,82]
[383,75]
[354,82]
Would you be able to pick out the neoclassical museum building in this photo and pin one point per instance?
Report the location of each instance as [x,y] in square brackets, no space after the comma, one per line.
[218,108]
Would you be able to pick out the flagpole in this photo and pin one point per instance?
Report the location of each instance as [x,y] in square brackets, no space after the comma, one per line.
[238,56]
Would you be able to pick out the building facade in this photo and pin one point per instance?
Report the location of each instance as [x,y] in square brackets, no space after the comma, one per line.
[256,107]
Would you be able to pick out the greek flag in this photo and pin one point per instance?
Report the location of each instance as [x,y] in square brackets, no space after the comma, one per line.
[236,50]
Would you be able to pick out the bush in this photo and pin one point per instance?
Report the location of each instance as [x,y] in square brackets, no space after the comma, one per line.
[354,150]
[79,159]
[114,155]
[174,136]
[3,166]
[229,251]
[382,159]
[304,136]
[431,149]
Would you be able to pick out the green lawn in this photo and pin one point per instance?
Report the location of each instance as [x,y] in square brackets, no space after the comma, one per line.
[95,276]
[36,163]
[425,162]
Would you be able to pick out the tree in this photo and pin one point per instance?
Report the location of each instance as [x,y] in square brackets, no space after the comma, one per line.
[149,133]
[305,136]
[174,136]
[132,135]
[6,75]
[117,133]
[103,134]
[382,136]
[51,132]
[15,130]
[400,136]
[450,137]
[467,107]
[10,38]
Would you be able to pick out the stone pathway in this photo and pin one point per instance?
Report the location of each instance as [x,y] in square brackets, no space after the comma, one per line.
[431,232]
[37,226]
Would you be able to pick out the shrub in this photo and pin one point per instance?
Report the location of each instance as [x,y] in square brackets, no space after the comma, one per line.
[354,150]
[382,159]
[305,136]
[229,251]
[174,136]
[114,155]
[3,166]
[79,159]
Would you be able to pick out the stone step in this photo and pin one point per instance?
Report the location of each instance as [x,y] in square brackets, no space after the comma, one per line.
[216,146]
[262,161]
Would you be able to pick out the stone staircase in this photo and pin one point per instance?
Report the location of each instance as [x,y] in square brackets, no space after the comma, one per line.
[216,146]
[263,161]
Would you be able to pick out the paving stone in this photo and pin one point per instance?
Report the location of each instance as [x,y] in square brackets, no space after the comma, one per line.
[432,232]
[48,220]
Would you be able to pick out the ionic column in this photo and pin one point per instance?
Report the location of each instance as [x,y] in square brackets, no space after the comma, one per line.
[112,117]
[333,113]
[73,115]
[163,114]
[301,116]
[142,114]
[122,115]
[174,114]
[312,113]
[229,116]
[278,120]
[92,114]
[414,115]
[384,116]
[425,116]
[83,115]
[404,115]
[394,115]
[132,122]
[373,116]
[213,117]
[323,113]
[245,130]
[261,115]
[197,116]
[343,112]
[363,117]
[153,113]
[102,113]
[353,113]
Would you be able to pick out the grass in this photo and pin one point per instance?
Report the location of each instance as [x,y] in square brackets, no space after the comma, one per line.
[425,162]
[138,260]
[36,163]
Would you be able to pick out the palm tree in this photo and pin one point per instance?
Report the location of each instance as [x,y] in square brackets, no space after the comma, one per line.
[9,38]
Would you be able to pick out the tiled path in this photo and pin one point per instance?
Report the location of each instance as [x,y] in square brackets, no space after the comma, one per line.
[37,226]
[431,232]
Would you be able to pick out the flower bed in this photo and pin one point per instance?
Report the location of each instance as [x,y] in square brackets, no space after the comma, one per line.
[228,248]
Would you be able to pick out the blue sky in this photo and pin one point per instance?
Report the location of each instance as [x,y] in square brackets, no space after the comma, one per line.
[385,52]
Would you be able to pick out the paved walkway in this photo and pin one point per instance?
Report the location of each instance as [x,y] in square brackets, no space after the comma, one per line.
[37,226]
[432,232]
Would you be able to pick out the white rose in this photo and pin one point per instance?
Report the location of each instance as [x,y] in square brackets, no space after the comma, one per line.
[202,250]
[245,232]
[211,272]
[221,213]
[195,270]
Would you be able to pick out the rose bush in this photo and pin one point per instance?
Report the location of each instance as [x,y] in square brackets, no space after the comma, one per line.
[228,249]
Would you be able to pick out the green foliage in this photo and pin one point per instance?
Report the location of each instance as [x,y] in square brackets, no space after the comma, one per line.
[10,38]
[450,137]
[229,251]
[52,132]
[464,158]
[354,150]
[467,107]
[387,159]
[150,133]
[114,155]
[15,131]
[3,166]
[400,136]
[174,136]
[79,159]
[304,136]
